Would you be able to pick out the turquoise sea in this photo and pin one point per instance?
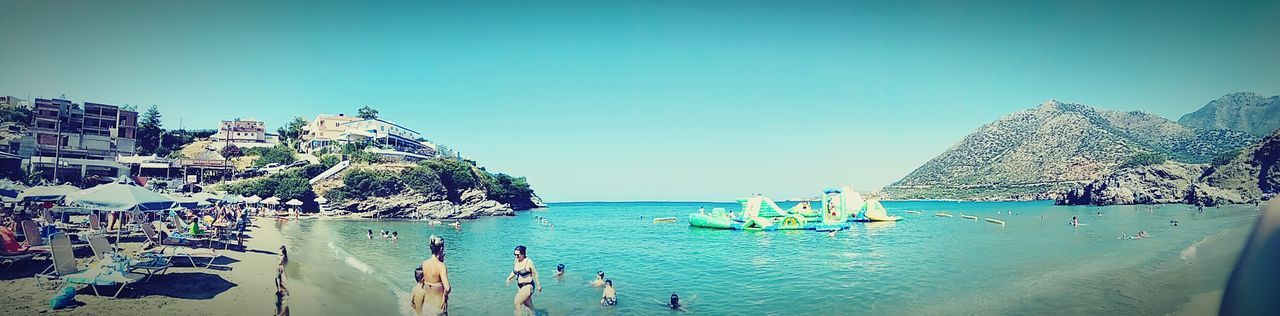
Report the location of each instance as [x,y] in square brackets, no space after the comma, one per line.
[1037,264]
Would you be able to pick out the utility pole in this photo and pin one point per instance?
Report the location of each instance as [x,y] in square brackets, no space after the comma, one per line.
[57,149]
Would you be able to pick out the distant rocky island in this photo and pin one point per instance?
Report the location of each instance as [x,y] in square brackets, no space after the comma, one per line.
[1067,152]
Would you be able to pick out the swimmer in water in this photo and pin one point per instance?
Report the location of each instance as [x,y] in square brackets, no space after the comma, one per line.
[1099,213]
[395,236]
[559,270]
[1075,221]
[610,296]
[370,234]
[456,224]
[599,281]
[1140,235]
[674,303]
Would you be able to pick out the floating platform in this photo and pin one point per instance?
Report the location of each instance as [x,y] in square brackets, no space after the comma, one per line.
[942,214]
[995,221]
[969,217]
[664,220]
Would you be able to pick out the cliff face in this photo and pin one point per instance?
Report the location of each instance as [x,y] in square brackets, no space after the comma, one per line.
[1241,111]
[1249,177]
[1253,173]
[1034,153]
[1163,183]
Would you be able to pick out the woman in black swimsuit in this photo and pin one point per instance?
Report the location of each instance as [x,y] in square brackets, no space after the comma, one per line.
[526,276]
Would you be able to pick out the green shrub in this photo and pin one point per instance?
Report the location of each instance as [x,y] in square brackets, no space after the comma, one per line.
[507,189]
[1143,159]
[329,160]
[424,181]
[1224,158]
[371,183]
[312,170]
[284,185]
[455,175]
[280,154]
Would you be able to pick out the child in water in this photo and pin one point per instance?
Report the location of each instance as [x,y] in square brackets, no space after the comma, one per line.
[674,304]
[370,234]
[610,296]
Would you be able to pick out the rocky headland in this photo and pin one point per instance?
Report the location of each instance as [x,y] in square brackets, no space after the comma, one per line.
[1045,152]
[1248,177]
[432,189]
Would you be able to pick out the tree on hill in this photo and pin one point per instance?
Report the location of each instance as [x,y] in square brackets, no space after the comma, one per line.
[231,151]
[149,132]
[367,113]
[292,131]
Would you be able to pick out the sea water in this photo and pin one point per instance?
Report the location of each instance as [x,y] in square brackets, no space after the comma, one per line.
[923,265]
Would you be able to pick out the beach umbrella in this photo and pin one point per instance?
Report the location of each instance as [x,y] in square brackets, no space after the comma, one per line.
[120,197]
[253,199]
[189,202]
[321,200]
[271,201]
[294,202]
[232,198]
[47,193]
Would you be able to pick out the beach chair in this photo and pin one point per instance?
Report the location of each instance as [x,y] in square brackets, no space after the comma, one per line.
[47,216]
[101,274]
[64,262]
[34,241]
[7,260]
[103,250]
[182,250]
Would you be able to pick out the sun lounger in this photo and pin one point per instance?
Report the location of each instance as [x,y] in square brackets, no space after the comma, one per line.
[103,250]
[9,259]
[64,262]
[34,242]
[182,250]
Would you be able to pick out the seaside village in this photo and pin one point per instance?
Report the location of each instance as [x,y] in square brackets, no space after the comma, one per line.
[99,202]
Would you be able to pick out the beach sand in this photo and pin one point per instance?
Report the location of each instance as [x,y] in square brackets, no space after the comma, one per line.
[1201,304]
[239,283]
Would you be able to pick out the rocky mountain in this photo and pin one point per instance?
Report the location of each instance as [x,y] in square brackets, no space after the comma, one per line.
[1032,153]
[1241,111]
[1249,177]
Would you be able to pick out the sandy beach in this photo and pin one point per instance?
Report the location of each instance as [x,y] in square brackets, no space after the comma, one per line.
[238,283]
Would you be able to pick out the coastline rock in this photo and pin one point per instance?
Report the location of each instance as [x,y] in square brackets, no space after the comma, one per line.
[474,203]
[1156,184]
[1207,195]
[1253,175]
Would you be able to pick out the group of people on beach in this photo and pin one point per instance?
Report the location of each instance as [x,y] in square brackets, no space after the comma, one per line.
[430,294]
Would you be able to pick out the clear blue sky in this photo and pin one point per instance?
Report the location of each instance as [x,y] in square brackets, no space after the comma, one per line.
[648,100]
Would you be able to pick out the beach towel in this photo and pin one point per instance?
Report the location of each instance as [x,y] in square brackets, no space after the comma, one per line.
[65,298]
[10,241]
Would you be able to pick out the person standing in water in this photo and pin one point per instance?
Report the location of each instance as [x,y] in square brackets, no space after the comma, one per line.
[559,271]
[433,299]
[1075,221]
[526,276]
[610,296]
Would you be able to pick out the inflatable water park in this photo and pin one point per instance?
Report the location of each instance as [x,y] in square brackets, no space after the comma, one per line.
[840,208]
